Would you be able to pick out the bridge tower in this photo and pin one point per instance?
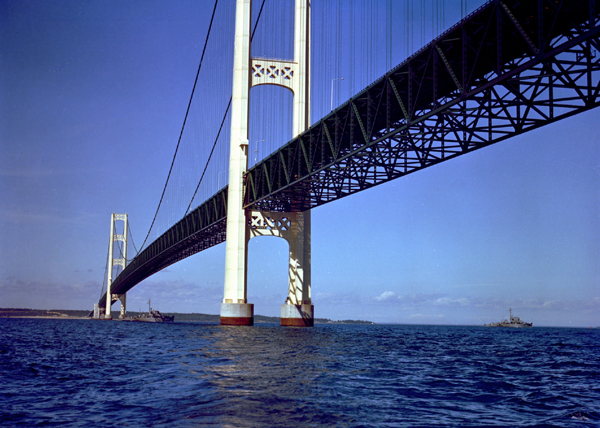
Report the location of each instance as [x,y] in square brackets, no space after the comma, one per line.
[121,261]
[242,224]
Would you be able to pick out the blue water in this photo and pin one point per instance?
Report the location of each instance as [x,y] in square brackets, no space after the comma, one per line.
[88,373]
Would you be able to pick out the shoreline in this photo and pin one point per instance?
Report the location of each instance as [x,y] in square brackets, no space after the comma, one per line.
[56,317]
[117,319]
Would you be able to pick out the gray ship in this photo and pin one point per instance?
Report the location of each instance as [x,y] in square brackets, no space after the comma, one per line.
[153,316]
[514,322]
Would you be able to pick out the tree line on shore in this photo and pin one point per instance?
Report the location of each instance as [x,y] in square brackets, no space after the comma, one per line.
[69,313]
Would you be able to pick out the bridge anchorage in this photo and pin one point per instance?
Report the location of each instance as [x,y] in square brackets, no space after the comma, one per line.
[244,224]
[105,313]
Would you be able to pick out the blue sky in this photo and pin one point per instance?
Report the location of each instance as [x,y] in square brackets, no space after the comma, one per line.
[92,98]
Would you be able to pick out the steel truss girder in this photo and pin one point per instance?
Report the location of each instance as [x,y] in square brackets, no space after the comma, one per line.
[201,229]
[509,68]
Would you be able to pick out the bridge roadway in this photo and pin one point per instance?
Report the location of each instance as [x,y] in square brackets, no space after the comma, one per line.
[511,66]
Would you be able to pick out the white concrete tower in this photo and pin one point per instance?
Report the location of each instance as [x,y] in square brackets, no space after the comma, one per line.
[298,309]
[235,309]
[241,226]
[121,261]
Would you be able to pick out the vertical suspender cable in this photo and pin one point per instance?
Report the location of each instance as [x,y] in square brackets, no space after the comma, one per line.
[407,24]
[184,121]
[422,22]
[220,129]
[388,38]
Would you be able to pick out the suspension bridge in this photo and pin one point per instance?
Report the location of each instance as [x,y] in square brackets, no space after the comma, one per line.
[506,68]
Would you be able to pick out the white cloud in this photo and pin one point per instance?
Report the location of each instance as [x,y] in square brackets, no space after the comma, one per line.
[388,306]
[407,299]
[445,301]
[176,296]
[29,173]
[23,216]
[419,298]
[386,295]
[15,293]
[424,316]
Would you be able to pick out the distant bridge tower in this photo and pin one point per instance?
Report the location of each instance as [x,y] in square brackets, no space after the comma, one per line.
[242,225]
[121,261]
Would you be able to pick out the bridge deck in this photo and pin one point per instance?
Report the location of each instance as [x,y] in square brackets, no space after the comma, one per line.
[509,67]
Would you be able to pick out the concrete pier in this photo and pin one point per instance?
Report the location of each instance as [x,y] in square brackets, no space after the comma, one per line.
[237,314]
[298,315]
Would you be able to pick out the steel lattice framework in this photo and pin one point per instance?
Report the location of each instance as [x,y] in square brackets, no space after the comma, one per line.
[510,67]
[202,228]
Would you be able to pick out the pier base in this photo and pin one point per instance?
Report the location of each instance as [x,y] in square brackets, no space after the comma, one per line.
[100,313]
[96,311]
[298,315]
[237,314]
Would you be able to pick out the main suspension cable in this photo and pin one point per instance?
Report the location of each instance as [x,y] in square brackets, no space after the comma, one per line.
[222,123]
[209,158]
[184,121]
[132,243]
[105,280]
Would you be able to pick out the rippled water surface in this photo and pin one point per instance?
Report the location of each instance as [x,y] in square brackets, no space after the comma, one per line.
[90,373]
